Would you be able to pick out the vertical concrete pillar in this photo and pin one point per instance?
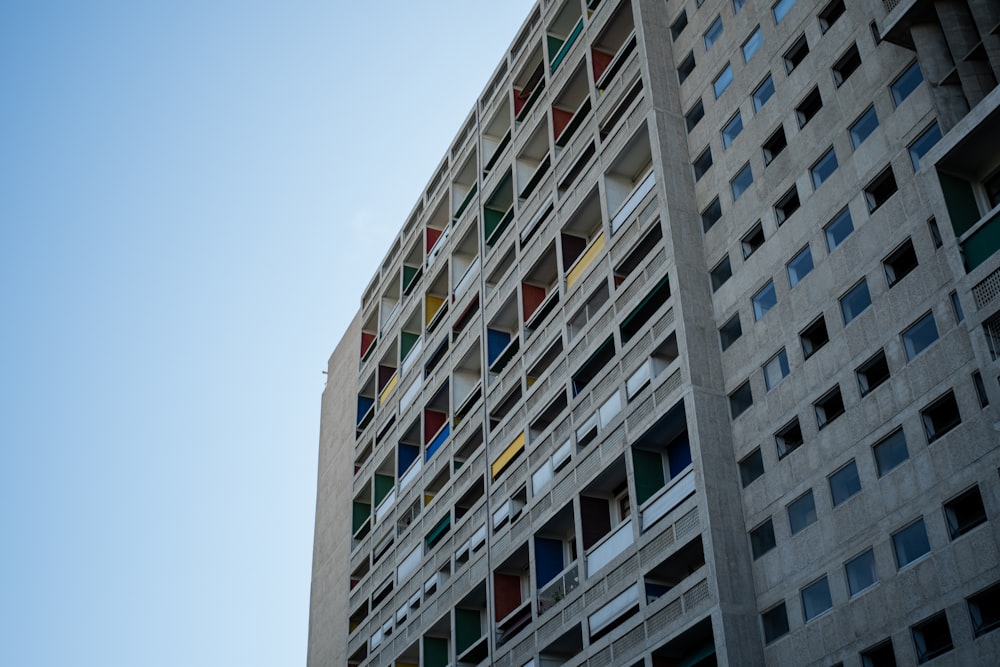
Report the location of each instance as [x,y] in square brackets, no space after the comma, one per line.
[936,64]
[963,40]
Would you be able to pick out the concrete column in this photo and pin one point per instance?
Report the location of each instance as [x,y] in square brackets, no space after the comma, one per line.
[986,14]
[935,63]
[963,39]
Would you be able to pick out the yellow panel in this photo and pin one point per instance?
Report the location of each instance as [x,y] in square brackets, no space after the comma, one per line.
[513,450]
[434,304]
[595,249]
[387,391]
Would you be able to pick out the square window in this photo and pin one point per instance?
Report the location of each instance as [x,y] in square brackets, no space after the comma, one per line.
[762,539]
[732,130]
[713,33]
[964,512]
[764,300]
[722,272]
[677,27]
[932,637]
[753,44]
[829,14]
[824,167]
[702,163]
[900,262]
[800,266]
[686,67]
[751,467]
[788,204]
[940,416]
[863,127]
[872,373]
[844,483]
[890,452]
[722,81]
[809,107]
[814,337]
[880,655]
[802,512]
[906,83]
[775,622]
[919,336]
[692,117]
[829,406]
[855,301]
[984,609]
[711,215]
[924,143]
[774,145]
[880,189]
[752,240]
[796,53]
[977,382]
[838,229]
[740,400]
[763,93]
[788,438]
[932,227]
[781,9]
[816,599]
[956,307]
[741,182]
[861,573]
[775,370]
[846,65]
[730,332]
[910,543]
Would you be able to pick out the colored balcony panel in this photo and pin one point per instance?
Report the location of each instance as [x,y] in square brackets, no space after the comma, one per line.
[562,33]
[592,367]
[613,47]
[435,652]
[529,84]
[540,289]
[643,313]
[982,243]
[512,451]
[498,211]
[571,107]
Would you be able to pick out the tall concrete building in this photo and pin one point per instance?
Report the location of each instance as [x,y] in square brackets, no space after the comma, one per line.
[687,355]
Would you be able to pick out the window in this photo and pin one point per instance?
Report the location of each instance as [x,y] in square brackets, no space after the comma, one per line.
[977,382]
[876,35]
[984,609]
[838,229]
[763,93]
[829,406]
[775,370]
[762,539]
[730,332]
[906,83]
[855,301]
[932,227]
[751,467]
[816,599]
[900,262]
[677,27]
[711,215]
[740,400]
[863,127]
[844,483]
[846,65]
[713,33]
[741,182]
[880,189]
[872,373]
[732,130]
[775,622]
[924,143]
[692,117]
[781,9]
[752,240]
[809,107]
[796,53]
[814,337]
[956,307]
[932,637]
[861,573]
[722,272]
[910,543]
[824,167]
[764,300]
[788,438]
[890,452]
[774,145]
[788,204]
[702,163]
[880,655]
[829,14]
[800,266]
[802,512]
[919,336]
[722,81]
[686,67]
[964,512]
[753,44]
[738,5]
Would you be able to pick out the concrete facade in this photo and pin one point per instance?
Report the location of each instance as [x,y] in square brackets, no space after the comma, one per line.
[687,354]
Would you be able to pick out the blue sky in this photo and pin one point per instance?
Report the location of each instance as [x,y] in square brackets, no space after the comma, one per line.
[193,196]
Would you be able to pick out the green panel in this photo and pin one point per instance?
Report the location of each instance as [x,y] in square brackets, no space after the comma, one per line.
[648,474]
[435,652]
[360,515]
[554,44]
[468,629]
[961,201]
[406,342]
[410,273]
[438,530]
[383,485]
[981,245]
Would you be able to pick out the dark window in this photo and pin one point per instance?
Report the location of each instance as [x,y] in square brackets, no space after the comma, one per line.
[809,107]
[984,609]
[722,272]
[872,373]
[829,14]
[775,370]
[686,68]
[762,539]
[751,467]
[977,382]
[932,226]
[740,400]
[861,573]
[711,215]
[906,83]
[863,127]
[956,307]
[788,204]
[855,301]
[880,189]
[829,406]
[910,543]
[774,145]
[816,599]
[677,27]
[695,114]
[900,262]
[838,229]
[702,163]
[940,416]
[932,637]
[775,621]
[880,655]
[919,336]
[814,337]
[890,452]
[730,332]
[763,93]
[802,512]
[796,53]
[846,65]
[964,512]
[752,240]
[788,438]
[844,483]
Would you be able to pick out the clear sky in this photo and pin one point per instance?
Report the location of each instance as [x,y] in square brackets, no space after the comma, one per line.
[193,195]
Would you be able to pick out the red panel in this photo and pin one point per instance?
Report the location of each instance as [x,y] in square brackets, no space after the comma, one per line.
[601,62]
[520,97]
[433,421]
[432,237]
[560,119]
[533,297]
[507,590]
[366,342]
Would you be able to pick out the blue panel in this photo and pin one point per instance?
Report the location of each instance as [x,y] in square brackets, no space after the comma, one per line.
[496,341]
[438,441]
[548,560]
[678,455]
[407,455]
[364,403]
